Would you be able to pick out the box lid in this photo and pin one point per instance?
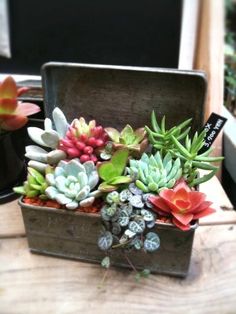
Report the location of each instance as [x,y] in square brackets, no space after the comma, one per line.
[117,95]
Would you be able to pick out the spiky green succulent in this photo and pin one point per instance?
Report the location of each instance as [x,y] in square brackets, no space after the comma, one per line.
[152,173]
[161,138]
[34,186]
[192,159]
[72,184]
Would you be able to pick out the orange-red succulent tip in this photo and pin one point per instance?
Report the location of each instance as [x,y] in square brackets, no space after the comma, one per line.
[13,113]
[182,204]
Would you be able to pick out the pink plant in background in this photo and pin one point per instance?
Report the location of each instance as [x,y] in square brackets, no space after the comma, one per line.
[13,113]
[182,204]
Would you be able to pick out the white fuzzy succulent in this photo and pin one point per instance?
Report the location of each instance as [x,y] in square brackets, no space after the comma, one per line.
[49,138]
[72,183]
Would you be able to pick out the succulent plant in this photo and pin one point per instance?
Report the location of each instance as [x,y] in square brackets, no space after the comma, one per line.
[127,218]
[13,113]
[161,138]
[82,140]
[35,185]
[183,204]
[72,184]
[50,137]
[152,173]
[135,141]
[192,160]
[39,157]
[112,172]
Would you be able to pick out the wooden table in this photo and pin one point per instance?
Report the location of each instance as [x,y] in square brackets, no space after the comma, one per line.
[32,283]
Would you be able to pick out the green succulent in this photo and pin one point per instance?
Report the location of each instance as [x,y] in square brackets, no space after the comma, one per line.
[135,141]
[72,183]
[112,171]
[161,138]
[35,185]
[152,173]
[192,160]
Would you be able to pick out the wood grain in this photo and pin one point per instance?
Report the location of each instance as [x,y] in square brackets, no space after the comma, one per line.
[210,56]
[11,221]
[38,284]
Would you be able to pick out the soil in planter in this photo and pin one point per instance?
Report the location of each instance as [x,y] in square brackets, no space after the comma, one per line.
[36,201]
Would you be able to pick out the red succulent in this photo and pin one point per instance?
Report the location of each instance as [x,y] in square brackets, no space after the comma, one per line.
[84,140]
[13,114]
[183,204]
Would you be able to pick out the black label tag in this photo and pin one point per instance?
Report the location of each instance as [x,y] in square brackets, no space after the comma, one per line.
[213,127]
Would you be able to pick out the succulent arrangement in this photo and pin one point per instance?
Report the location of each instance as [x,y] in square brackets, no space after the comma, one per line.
[138,176]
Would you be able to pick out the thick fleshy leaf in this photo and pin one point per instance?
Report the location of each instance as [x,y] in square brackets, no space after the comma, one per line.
[182,185]
[204,213]
[35,149]
[178,224]
[104,187]
[51,192]
[22,90]
[13,123]
[140,134]
[60,121]
[183,218]
[50,138]
[26,109]
[72,205]
[35,135]
[8,106]
[127,135]
[159,203]
[8,88]
[36,175]
[62,199]
[119,180]
[87,202]
[113,134]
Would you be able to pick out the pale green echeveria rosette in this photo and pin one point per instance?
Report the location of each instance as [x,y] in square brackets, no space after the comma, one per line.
[48,138]
[72,184]
[153,173]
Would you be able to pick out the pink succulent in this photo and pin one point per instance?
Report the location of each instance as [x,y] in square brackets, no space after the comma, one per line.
[183,204]
[13,114]
[84,140]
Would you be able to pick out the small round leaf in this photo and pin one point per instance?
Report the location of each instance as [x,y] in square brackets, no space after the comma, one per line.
[152,242]
[137,226]
[105,241]
[123,219]
[136,201]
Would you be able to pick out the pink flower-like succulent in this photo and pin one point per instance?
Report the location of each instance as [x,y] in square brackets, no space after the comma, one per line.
[183,204]
[13,114]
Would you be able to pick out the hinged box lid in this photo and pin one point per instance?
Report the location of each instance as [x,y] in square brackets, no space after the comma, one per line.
[117,95]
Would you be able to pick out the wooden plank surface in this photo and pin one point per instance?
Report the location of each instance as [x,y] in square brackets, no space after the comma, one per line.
[37,284]
[11,221]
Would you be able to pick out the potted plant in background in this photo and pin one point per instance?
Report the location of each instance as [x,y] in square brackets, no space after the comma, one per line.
[128,197]
[13,118]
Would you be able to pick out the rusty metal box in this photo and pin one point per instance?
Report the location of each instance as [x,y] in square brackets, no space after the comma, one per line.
[115,96]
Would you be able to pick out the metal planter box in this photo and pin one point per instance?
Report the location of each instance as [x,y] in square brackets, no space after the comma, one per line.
[115,96]
[74,235]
